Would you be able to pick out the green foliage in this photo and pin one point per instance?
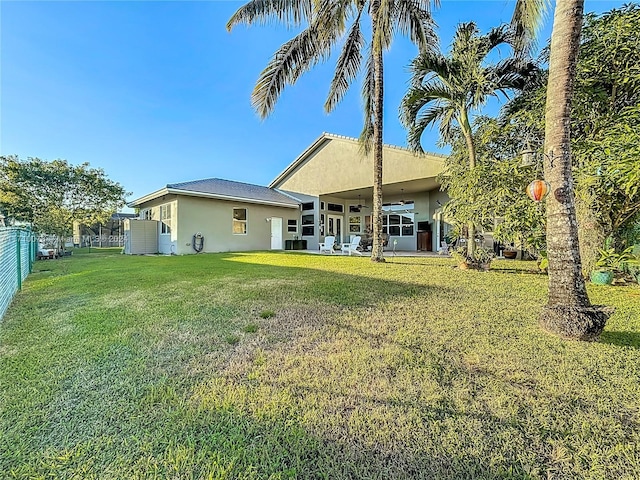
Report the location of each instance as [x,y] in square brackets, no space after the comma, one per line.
[446,89]
[605,130]
[543,263]
[610,260]
[480,257]
[51,195]
[493,194]
[608,172]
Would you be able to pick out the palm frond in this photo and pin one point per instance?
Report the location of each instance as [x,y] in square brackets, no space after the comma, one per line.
[419,97]
[348,65]
[446,124]
[291,60]
[497,36]
[287,12]
[413,18]
[426,119]
[382,26]
[527,19]
[366,136]
[429,64]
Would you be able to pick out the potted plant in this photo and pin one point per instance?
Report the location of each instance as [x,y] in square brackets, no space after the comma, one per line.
[482,258]
[610,263]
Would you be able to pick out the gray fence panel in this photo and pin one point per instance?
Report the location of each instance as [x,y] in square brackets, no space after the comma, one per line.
[16,257]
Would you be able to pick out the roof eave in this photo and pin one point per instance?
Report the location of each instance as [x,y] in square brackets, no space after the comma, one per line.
[148,198]
[231,198]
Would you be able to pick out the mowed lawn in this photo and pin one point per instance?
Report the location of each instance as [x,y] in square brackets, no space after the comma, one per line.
[288,365]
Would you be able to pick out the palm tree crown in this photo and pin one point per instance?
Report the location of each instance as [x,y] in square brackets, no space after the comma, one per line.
[328,22]
[447,88]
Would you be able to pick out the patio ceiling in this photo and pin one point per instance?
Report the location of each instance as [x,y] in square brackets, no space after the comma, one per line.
[392,189]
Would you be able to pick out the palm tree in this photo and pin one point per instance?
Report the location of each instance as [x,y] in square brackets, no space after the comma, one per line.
[446,89]
[568,312]
[327,24]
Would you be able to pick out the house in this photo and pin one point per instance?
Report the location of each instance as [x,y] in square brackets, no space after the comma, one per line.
[326,190]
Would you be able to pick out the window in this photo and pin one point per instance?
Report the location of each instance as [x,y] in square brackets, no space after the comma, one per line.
[292,226]
[321,205]
[398,225]
[354,208]
[407,225]
[395,207]
[322,224]
[308,223]
[145,214]
[355,224]
[239,221]
[307,206]
[165,219]
[335,207]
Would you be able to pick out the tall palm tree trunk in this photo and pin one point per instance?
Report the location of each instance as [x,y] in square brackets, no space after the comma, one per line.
[378,93]
[569,312]
[471,149]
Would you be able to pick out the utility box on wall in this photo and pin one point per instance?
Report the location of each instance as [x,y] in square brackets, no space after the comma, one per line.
[141,236]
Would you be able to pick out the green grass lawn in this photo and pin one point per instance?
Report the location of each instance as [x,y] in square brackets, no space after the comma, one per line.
[287,365]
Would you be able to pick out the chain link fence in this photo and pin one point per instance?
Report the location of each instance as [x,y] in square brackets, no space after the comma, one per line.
[18,247]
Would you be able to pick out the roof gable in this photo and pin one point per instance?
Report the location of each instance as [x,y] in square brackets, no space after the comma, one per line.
[335,163]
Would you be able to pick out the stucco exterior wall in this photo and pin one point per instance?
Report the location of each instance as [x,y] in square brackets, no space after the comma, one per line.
[338,165]
[214,219]
[167,243]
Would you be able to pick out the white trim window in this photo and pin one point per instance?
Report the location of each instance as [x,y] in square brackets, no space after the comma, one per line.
[145,214]
[308,223]
[239,226]
[292,226]
[398,220]
[165,219]
[355,224]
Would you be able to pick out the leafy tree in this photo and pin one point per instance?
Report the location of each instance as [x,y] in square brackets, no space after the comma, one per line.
[604,129]
[445,90]
[492,194]
[606,123]
[327,23]
[51,195]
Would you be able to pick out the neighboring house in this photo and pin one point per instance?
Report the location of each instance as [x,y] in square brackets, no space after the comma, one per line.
[326,191]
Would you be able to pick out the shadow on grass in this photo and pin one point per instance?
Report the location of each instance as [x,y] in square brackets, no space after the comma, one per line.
[519,271]
[621,339]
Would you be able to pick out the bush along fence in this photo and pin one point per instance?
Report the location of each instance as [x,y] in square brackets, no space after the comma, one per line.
[18,248]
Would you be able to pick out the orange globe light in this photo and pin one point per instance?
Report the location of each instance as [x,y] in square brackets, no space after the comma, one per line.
[537,190]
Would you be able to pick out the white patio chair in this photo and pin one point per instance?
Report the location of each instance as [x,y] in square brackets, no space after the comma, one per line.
[444,249]
[351,247]
[327,245]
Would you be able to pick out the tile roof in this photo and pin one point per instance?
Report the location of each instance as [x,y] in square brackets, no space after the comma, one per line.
[228,188]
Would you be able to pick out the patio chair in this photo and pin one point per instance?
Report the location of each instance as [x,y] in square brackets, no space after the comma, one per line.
[444,249]
[351,247]
[327,245]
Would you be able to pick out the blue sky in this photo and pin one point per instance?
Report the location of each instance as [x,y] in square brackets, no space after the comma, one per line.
[159,92]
